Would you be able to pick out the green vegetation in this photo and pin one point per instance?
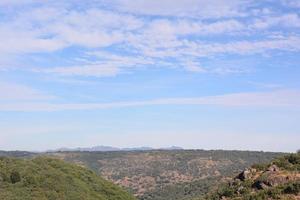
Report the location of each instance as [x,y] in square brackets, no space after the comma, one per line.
[279,179]
[151,175]
[289,162]
[182,191]
[45,178]
[246,193]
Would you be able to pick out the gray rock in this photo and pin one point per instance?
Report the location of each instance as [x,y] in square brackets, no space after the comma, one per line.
[273,168]
[246,174]
[260,185]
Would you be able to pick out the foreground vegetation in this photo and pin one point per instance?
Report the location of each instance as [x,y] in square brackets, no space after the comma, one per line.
[45,178]
[279,179]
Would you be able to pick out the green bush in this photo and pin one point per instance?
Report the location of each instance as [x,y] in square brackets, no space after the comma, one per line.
[292,188]
[261,166]
[15,177]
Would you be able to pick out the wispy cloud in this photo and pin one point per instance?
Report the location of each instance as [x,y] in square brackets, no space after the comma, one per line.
[16,92]
[266,85]
[286,20]
[291,3]
[87,70]
[192,8]
[145,33]
[281,98]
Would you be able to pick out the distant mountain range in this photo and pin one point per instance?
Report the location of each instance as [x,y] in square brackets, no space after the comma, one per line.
[110,148]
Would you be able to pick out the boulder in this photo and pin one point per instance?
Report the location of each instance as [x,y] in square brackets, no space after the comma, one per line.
[260,185]
[246,174]
[273,168]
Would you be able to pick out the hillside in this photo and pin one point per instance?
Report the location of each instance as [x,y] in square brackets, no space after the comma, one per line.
[166,175]
[44,178]
[279,179]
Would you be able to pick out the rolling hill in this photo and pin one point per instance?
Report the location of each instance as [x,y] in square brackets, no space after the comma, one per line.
[44,178]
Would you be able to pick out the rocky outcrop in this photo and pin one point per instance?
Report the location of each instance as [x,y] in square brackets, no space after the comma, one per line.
[273,168]
[273,177]
[277,180]
[246,174]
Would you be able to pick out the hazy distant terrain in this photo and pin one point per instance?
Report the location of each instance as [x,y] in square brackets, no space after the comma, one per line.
[110,148]
[17,154]
[163,175]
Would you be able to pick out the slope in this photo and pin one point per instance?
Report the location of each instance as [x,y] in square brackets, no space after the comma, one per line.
[279,179]
[45,178]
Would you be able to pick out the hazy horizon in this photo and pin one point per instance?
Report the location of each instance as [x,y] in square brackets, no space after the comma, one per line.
[199,74]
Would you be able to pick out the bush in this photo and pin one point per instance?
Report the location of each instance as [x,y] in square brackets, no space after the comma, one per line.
[292,188]
[261,166]
[294,159]
[15,177]
[226,191]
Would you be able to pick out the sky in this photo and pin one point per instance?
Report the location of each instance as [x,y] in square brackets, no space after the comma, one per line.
[200,74]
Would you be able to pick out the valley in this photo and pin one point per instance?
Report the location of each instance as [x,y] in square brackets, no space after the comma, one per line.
[166,175]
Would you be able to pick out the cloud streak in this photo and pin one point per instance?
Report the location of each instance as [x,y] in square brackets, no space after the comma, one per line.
[191,8]
[280,98]
[17,92]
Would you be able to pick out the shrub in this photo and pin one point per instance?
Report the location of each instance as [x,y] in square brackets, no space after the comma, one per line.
[294,159]
[261,166]
[292,188]
[226,191]
[15,177]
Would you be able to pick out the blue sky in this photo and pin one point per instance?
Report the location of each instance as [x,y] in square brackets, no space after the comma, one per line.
[194,73]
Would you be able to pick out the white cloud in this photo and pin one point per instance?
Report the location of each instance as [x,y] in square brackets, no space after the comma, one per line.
[15,2]
[16,40]
[190,8]
[88,70]
[16,92]
[46,29]
[194,67]
[191,27]
[143,41]
[281,98]
[162,48]
[287,20]
[291,3]
[110,65]
[250,47]
[168,51]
